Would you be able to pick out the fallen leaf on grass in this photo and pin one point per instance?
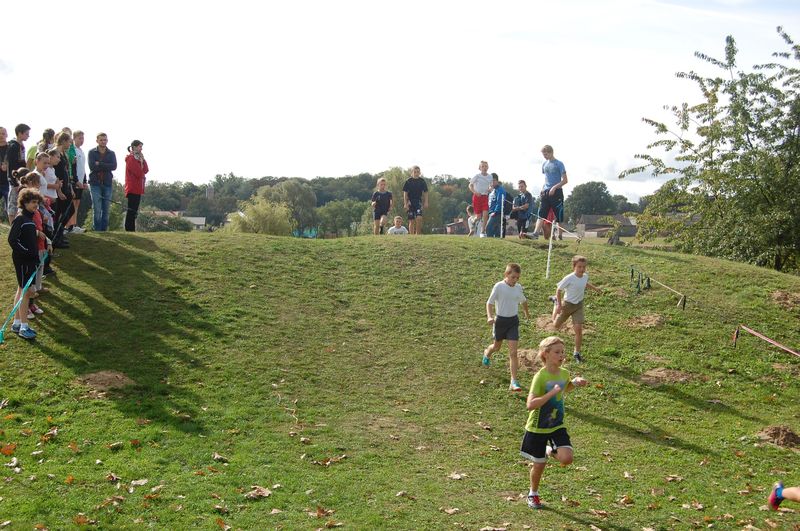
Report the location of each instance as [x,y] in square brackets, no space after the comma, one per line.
[50,434]
[8,449]
[305,440]
[457,476]
[275,511]
[329,460]
[74,447]
[571,503]
[143,422]
[772,524]
[672,478]
[626,500]
[489,528]
[138,482]
[599,513]
[219,458]
[115,446]
[70,480]
[321,512]
[258,492]
[82,519]
[221,509]
[627,475]
[451,511]
[26,432]
[394,437]
[331,524]
[485,426]
[13,464]
[135,443]
[112,477]
[113,500]
[222,525]
[6,523]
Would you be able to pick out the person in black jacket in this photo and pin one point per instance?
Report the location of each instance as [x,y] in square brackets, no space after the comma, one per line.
[15,159]
[23,239]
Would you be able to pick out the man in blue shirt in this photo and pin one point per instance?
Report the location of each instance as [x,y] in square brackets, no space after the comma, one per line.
[497,198]
[552,194]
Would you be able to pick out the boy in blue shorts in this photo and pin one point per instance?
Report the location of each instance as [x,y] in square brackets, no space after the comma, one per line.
[415,199]
[545,434]
[506,297]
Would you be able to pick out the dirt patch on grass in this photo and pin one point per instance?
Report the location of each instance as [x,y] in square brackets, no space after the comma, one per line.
[660,375]
[655,358]
[781,436]
[545,322]
[650,320]
[529,359]
[786,300]
[99,383]
[784,367]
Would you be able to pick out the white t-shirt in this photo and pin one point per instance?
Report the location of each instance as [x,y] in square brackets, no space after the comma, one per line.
[49,178]
[573,287]
[80,164]
[397,230]
[506,299]
[481,183]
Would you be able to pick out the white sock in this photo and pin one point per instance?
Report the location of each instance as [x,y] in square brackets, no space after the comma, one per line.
[23,326]
[17,321]
[533,493]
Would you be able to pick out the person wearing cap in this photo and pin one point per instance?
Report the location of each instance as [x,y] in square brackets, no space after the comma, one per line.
[135,170]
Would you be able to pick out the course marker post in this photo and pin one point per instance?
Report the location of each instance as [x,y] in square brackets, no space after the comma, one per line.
[549,250]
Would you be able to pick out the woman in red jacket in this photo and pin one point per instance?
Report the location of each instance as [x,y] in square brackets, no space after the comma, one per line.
[135,170]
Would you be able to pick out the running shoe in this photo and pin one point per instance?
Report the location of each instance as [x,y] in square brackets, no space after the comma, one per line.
[577,356]
[534,502]
[514,386]
[35,309]
[774,500]
[486,361]
[27,333]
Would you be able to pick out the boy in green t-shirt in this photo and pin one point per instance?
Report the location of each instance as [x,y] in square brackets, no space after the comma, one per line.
[545,433]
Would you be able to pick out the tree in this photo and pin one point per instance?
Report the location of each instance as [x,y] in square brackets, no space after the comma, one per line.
[299,197]
[589,198]
[261,216]
[737,164]
[623,206]
[395,179]
[337,217]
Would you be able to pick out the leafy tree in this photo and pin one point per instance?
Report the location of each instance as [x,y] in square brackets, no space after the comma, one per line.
[623,206]
[261,216]
[337,217]
[163,196]
[149,222]
[215,210]
[737,163]
[298,196]
[589,198]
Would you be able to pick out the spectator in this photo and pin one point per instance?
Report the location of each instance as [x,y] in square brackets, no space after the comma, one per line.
[135,171]
[102,162]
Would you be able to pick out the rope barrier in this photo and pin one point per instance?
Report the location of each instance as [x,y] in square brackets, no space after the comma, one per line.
[761,336]
[643,282]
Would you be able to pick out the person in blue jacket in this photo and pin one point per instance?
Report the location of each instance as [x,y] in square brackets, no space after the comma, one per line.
[102,162]
[497,197]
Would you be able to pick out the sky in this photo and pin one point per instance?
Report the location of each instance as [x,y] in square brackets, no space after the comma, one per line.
[321,88]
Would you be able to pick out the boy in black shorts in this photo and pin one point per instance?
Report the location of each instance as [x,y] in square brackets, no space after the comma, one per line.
[382,203]
[545,433]
[415,199]
[506,297]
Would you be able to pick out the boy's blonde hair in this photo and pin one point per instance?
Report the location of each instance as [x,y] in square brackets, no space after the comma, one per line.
[546,344]
[513,268]
[398,217]
[578,258]
[548,148]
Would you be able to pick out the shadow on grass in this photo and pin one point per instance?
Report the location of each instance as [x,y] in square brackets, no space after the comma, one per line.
[674,393]
[588,524]
[115,307]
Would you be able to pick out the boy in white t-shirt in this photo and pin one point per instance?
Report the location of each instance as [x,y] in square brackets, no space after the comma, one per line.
[506,297]
[398,227]
[571,289]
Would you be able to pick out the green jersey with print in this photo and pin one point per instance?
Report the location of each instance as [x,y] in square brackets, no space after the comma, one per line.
[550,416]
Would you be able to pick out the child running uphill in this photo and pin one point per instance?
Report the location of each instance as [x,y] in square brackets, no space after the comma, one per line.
[506,297]
[382,203]
[545,433]
[568,301]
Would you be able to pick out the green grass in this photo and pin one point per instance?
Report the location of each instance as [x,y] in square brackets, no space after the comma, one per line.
[280,354]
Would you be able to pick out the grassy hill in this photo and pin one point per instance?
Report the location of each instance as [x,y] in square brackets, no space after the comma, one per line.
[344,376]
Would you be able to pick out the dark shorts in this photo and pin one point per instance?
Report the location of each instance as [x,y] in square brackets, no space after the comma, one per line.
[534,445]
[554,202]
[24,270]
[78,193]
[378,214]
[506,328]
[415,211]
[522,224]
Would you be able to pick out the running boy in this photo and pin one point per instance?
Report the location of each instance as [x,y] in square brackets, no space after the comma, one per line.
[415,199]
[382,203]
[545,434]
[506,297]
[571,289]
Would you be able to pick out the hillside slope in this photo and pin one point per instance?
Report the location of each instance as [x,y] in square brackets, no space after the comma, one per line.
[344,376]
